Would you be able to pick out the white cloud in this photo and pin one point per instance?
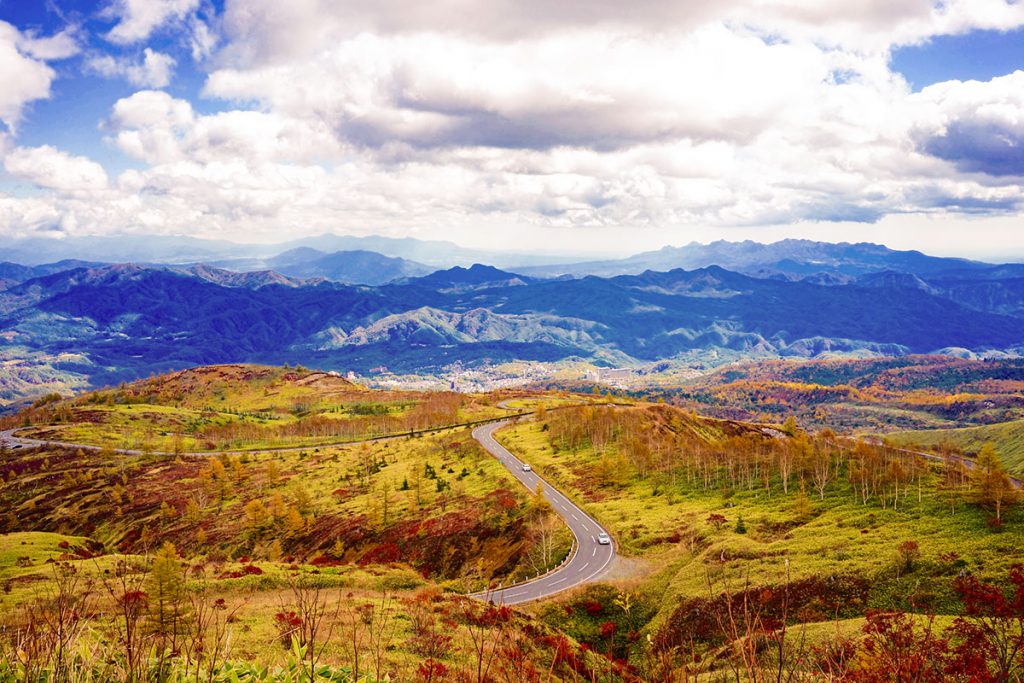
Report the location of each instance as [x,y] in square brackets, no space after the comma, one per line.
[154,127]
[461,117]
[51,168]
[269,30]
[202,39]
[977,126]
[428,90]
[138,19]
[58,46]
[153,69]
[23,78]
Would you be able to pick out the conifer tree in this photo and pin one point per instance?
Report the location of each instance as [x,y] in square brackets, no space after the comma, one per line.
[991,486]
[167,615]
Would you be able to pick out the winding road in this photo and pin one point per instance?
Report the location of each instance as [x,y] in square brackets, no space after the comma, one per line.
[588,559]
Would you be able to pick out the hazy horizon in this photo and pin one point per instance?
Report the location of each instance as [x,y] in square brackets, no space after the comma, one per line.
[549,256]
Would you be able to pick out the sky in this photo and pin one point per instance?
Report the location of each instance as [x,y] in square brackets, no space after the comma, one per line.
[579,126]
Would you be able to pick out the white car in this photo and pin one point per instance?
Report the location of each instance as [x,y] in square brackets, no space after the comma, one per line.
[527,468]
[604,539]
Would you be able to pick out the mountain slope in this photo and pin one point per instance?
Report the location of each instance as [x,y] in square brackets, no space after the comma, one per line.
[792,258]
[129,319]
[351,267]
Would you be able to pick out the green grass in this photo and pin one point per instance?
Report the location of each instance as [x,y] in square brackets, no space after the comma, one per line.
[1008,438]
[840,535]
[162,428]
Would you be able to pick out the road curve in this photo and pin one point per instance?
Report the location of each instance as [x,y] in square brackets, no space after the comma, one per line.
[589,559]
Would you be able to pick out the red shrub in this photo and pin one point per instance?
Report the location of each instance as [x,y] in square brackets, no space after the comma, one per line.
[324,561]
[593,607]
[896,649]
[991,630]
[431,670]
[288,624]
[383,553]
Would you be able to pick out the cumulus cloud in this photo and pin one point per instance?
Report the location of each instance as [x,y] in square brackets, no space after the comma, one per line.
[549,116]
[138,19]
[977,126]
[152,69]
[268,30]
[154,127]
[427,90]
[58,46]
[51,168]
[24,76]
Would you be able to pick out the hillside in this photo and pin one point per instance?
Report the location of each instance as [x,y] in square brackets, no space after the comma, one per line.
[1007,437]
[712,514]
[813,532]
[860,395]
[242,407]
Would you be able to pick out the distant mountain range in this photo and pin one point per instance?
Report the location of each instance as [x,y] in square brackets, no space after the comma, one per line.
[350,267]
[129,320]
[375,260]
[184,250]
[789,259]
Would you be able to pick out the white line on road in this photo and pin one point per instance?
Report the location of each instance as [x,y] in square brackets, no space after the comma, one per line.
[581,527]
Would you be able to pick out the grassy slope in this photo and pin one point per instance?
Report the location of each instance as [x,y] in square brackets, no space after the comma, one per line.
[1008,438]
[58,490]
[59,501]
[194,410]
[839,536]
[118,502]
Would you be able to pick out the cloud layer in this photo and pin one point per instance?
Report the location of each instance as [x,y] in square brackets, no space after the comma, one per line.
[387,116]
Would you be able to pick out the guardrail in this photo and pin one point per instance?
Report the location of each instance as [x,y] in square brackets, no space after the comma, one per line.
[573,549]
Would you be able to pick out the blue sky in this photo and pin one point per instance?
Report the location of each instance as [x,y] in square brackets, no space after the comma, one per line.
[80,100]
[976,55]
[570,127]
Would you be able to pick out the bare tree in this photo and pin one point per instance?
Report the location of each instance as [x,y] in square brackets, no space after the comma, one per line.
[125,588]
[542,537]
[381,626]
[308,621]
[822,468]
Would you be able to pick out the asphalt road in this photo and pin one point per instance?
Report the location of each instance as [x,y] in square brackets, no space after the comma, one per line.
[8,439]
[590,559]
